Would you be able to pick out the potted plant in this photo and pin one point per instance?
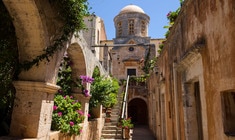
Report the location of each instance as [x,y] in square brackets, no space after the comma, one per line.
[126,126]
[108,117]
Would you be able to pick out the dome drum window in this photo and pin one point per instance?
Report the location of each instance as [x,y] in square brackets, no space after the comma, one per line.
[119,25]
[131,26]
[143,27]
[131,21]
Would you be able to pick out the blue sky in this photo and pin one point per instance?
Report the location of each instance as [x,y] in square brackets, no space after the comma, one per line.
[155,9]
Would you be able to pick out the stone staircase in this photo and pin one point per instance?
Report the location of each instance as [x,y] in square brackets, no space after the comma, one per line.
[110,130]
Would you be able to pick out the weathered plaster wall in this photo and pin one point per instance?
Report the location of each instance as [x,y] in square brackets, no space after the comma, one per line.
[209,25]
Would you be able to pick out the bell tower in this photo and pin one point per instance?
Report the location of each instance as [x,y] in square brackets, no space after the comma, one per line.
[131,21]
[130,47]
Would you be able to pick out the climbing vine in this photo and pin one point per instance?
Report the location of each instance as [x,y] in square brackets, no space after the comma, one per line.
[171,16]
[72,13]
[149,63]
[8,66]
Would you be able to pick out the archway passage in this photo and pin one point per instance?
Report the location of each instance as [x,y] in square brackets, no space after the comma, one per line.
[138,111]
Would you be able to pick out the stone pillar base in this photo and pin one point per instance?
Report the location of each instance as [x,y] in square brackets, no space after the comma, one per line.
[33,107]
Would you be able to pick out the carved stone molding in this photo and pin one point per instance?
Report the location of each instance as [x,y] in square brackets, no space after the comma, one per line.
[189,57]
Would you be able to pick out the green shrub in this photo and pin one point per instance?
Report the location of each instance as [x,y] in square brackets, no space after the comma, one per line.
[104,91]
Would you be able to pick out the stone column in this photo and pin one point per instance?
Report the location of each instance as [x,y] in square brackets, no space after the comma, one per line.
[33,107]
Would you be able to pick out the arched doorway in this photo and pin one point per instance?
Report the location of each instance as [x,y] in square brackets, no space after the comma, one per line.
[138,111]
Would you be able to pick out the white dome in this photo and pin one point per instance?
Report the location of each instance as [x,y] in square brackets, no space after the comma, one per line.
[131,8]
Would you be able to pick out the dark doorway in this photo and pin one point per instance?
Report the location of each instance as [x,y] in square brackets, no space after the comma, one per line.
[138,111]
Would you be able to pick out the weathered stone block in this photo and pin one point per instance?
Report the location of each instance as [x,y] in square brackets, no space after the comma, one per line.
[33,106]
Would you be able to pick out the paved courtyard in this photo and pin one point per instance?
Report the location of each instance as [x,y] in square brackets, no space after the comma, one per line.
[142,132]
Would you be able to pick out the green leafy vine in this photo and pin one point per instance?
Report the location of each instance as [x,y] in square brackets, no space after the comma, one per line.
[171,16]
[149,63]
[72,13]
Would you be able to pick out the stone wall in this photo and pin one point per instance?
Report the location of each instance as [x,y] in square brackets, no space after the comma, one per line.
[199,50]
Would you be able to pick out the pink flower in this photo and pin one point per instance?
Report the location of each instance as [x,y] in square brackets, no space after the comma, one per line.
[71,123]
[55,107]
[86,79]
[88,115]
[168,14]
[80,131]
[86,92]
[80,112]
[59,114]
[60,91]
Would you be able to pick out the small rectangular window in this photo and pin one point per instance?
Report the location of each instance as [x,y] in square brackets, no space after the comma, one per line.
[228,112]
[131,72]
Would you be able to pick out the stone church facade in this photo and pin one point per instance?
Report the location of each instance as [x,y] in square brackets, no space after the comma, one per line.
[129,50]
[132,43]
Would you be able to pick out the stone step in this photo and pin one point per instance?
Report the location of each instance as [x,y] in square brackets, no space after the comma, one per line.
[110,123]
[118,131]
[110,139]
[114,119]
[119,136]
[115,110]
[110,130]
[114,113]
[112,127]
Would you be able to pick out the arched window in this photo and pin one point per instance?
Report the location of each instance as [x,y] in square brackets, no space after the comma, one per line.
[131,26]
[119,26]
[143,27]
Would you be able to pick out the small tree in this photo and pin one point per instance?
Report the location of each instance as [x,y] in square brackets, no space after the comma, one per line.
[104,91]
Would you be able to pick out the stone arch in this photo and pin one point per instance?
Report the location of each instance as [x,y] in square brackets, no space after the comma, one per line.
[77,57]
[37,26]
[90,61]
[36,87]
[138,111]
[33,30]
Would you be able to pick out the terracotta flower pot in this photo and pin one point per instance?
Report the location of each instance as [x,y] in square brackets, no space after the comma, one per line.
[126,133]
[107,119]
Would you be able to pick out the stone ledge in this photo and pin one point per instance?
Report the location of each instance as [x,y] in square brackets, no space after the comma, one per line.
[39,86]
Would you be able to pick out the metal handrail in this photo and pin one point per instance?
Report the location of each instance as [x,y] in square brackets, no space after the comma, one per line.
[124,103]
